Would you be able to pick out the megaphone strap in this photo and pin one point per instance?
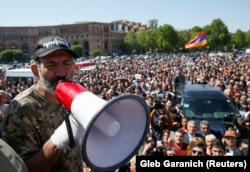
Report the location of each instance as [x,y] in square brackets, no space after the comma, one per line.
[66,114]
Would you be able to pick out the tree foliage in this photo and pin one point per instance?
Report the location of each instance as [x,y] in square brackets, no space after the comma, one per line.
[184,37]
[95,53]
[130,41]
[247,39]
[11,55]
[217,34]
[77,48]
[167,39]
[147,40]
[239,39]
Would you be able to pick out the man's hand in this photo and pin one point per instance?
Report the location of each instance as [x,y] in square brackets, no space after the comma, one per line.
[60,137]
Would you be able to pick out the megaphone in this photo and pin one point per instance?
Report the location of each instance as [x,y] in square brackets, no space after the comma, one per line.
[113,130]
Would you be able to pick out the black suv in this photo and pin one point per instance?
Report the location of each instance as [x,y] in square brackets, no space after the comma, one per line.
[205,102]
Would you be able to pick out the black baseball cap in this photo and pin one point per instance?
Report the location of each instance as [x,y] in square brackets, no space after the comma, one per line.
[50,44]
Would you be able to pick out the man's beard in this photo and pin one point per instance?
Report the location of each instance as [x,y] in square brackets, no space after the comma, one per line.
[49,84]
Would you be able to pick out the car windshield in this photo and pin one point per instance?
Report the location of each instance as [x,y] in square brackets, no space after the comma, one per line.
[208,108]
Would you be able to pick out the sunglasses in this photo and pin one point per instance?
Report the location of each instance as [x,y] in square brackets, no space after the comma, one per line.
[197,152]
[229,138]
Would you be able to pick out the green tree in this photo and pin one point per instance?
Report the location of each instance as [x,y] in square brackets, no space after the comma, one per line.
[239,39]
[167,38]
[247,39]
[10,55]
[217,35]
[184,37]
[147,40]
[95,53]
[130,42]
[77,48]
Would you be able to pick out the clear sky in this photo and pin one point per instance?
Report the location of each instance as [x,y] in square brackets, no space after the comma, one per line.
[181,14]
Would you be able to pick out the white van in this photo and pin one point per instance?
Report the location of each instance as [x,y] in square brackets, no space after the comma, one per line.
[13,75]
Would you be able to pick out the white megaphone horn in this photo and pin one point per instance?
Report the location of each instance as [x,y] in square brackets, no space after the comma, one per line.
[114,130]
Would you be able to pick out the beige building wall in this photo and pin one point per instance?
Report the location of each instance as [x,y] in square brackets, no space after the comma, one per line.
[91,35]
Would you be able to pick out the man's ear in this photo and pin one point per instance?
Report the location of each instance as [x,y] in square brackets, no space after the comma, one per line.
[34,70]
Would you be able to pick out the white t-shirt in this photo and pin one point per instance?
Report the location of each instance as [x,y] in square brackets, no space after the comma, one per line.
[229,153]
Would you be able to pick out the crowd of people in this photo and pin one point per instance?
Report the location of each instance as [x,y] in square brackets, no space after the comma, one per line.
[33,123]
[154,77]
[193,143]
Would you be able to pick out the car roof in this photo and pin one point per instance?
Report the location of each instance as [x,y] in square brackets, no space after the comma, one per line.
[200,90]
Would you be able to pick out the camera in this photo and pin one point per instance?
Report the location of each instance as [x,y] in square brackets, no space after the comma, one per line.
[159,101]
[159,150]
[165,147]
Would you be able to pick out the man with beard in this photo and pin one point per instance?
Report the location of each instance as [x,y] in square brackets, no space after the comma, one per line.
[34,125]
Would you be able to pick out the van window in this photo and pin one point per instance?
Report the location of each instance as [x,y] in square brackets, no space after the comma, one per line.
[15,75]
[216,107]
[12,79]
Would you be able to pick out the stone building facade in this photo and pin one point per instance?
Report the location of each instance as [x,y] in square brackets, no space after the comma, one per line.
[91,35]
[106,37]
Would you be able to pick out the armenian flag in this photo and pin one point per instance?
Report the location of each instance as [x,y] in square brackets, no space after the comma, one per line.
[198,41]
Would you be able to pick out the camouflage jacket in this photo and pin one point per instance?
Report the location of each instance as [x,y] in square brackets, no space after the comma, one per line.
[30,121]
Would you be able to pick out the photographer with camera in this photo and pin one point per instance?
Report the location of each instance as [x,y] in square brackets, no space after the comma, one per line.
[160,118]
[159,127]
[149,145]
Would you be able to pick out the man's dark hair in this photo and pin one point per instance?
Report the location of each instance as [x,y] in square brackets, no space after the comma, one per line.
[217,143]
